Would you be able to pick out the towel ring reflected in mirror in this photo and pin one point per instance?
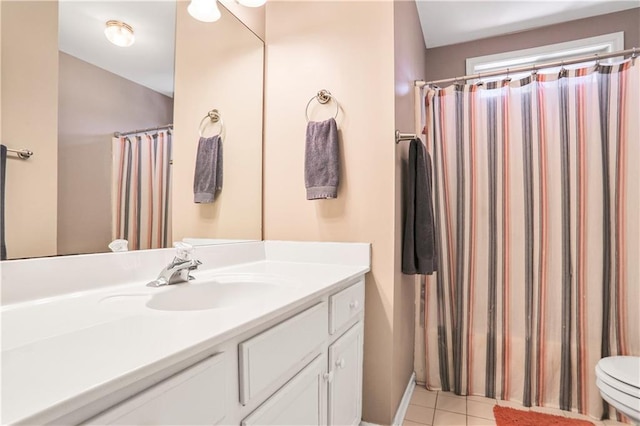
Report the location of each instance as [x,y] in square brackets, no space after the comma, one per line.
[323,96]
[213,117]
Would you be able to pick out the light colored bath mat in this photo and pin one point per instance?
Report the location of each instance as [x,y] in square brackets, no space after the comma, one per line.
[506,416]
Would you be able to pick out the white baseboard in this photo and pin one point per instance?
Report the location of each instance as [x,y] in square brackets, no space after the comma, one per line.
[404,404]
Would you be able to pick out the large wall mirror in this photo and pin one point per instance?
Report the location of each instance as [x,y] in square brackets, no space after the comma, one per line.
[115,130]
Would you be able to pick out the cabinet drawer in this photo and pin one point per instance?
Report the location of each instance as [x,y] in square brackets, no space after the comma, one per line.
[276,355]
[299,402]
[195,396]
[345,305]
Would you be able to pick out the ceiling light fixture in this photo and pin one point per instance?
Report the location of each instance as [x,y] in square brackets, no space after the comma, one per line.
[252,3]
[204,10]
[119,33]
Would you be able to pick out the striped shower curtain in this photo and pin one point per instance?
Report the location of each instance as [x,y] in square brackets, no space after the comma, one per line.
[537,204]
[141,196]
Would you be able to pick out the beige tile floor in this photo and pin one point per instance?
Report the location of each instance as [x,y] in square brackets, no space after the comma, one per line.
[439,408]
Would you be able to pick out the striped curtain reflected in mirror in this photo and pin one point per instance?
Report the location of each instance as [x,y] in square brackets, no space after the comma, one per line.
[141,196]
[537,204]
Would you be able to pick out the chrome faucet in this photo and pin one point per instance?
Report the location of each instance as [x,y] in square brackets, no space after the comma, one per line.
[178,270]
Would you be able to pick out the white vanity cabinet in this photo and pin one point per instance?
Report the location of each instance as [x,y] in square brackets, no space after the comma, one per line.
[275,338]
[304,368]
[328,390]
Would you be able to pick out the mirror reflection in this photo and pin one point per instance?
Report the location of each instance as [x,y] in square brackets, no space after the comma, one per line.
[118,160]
[114,188]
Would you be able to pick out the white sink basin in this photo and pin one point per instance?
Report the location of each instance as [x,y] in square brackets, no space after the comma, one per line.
[195,296]
[207,291]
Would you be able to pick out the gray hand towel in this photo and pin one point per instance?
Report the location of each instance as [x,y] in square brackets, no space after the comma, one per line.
[207,180]
[3,166]
[321,160]
[419,245]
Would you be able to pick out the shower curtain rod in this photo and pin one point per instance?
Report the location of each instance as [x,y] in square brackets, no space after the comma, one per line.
[131,132]
[633,51]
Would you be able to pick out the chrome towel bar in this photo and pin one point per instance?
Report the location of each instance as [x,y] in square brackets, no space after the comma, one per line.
[401,137]
[24,154]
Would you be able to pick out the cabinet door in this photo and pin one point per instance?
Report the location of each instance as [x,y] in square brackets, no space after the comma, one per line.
[345,386]
[302,401]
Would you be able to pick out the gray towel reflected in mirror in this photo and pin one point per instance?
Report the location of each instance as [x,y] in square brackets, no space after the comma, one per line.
[207,180]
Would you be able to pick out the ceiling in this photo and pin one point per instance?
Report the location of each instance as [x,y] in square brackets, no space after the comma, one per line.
[148,62]
[450,22]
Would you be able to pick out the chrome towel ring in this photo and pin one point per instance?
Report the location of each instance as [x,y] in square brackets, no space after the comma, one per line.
[323,96]
[214,117]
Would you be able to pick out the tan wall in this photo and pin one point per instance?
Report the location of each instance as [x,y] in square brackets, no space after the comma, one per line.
[449,61]
[30,120]
[94,103]
[218,66]
[346,48]
[410,61]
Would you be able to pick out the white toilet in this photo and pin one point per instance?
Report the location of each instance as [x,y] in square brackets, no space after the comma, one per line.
[618,378]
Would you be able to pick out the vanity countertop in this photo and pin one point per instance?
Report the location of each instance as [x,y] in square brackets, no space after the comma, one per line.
[67,351]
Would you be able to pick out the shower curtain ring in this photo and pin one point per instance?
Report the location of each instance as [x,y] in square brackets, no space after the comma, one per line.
[563,71]
[507,78]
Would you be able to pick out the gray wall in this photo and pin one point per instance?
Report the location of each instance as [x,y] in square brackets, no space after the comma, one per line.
[409,62]
[449,61]
[94,103]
